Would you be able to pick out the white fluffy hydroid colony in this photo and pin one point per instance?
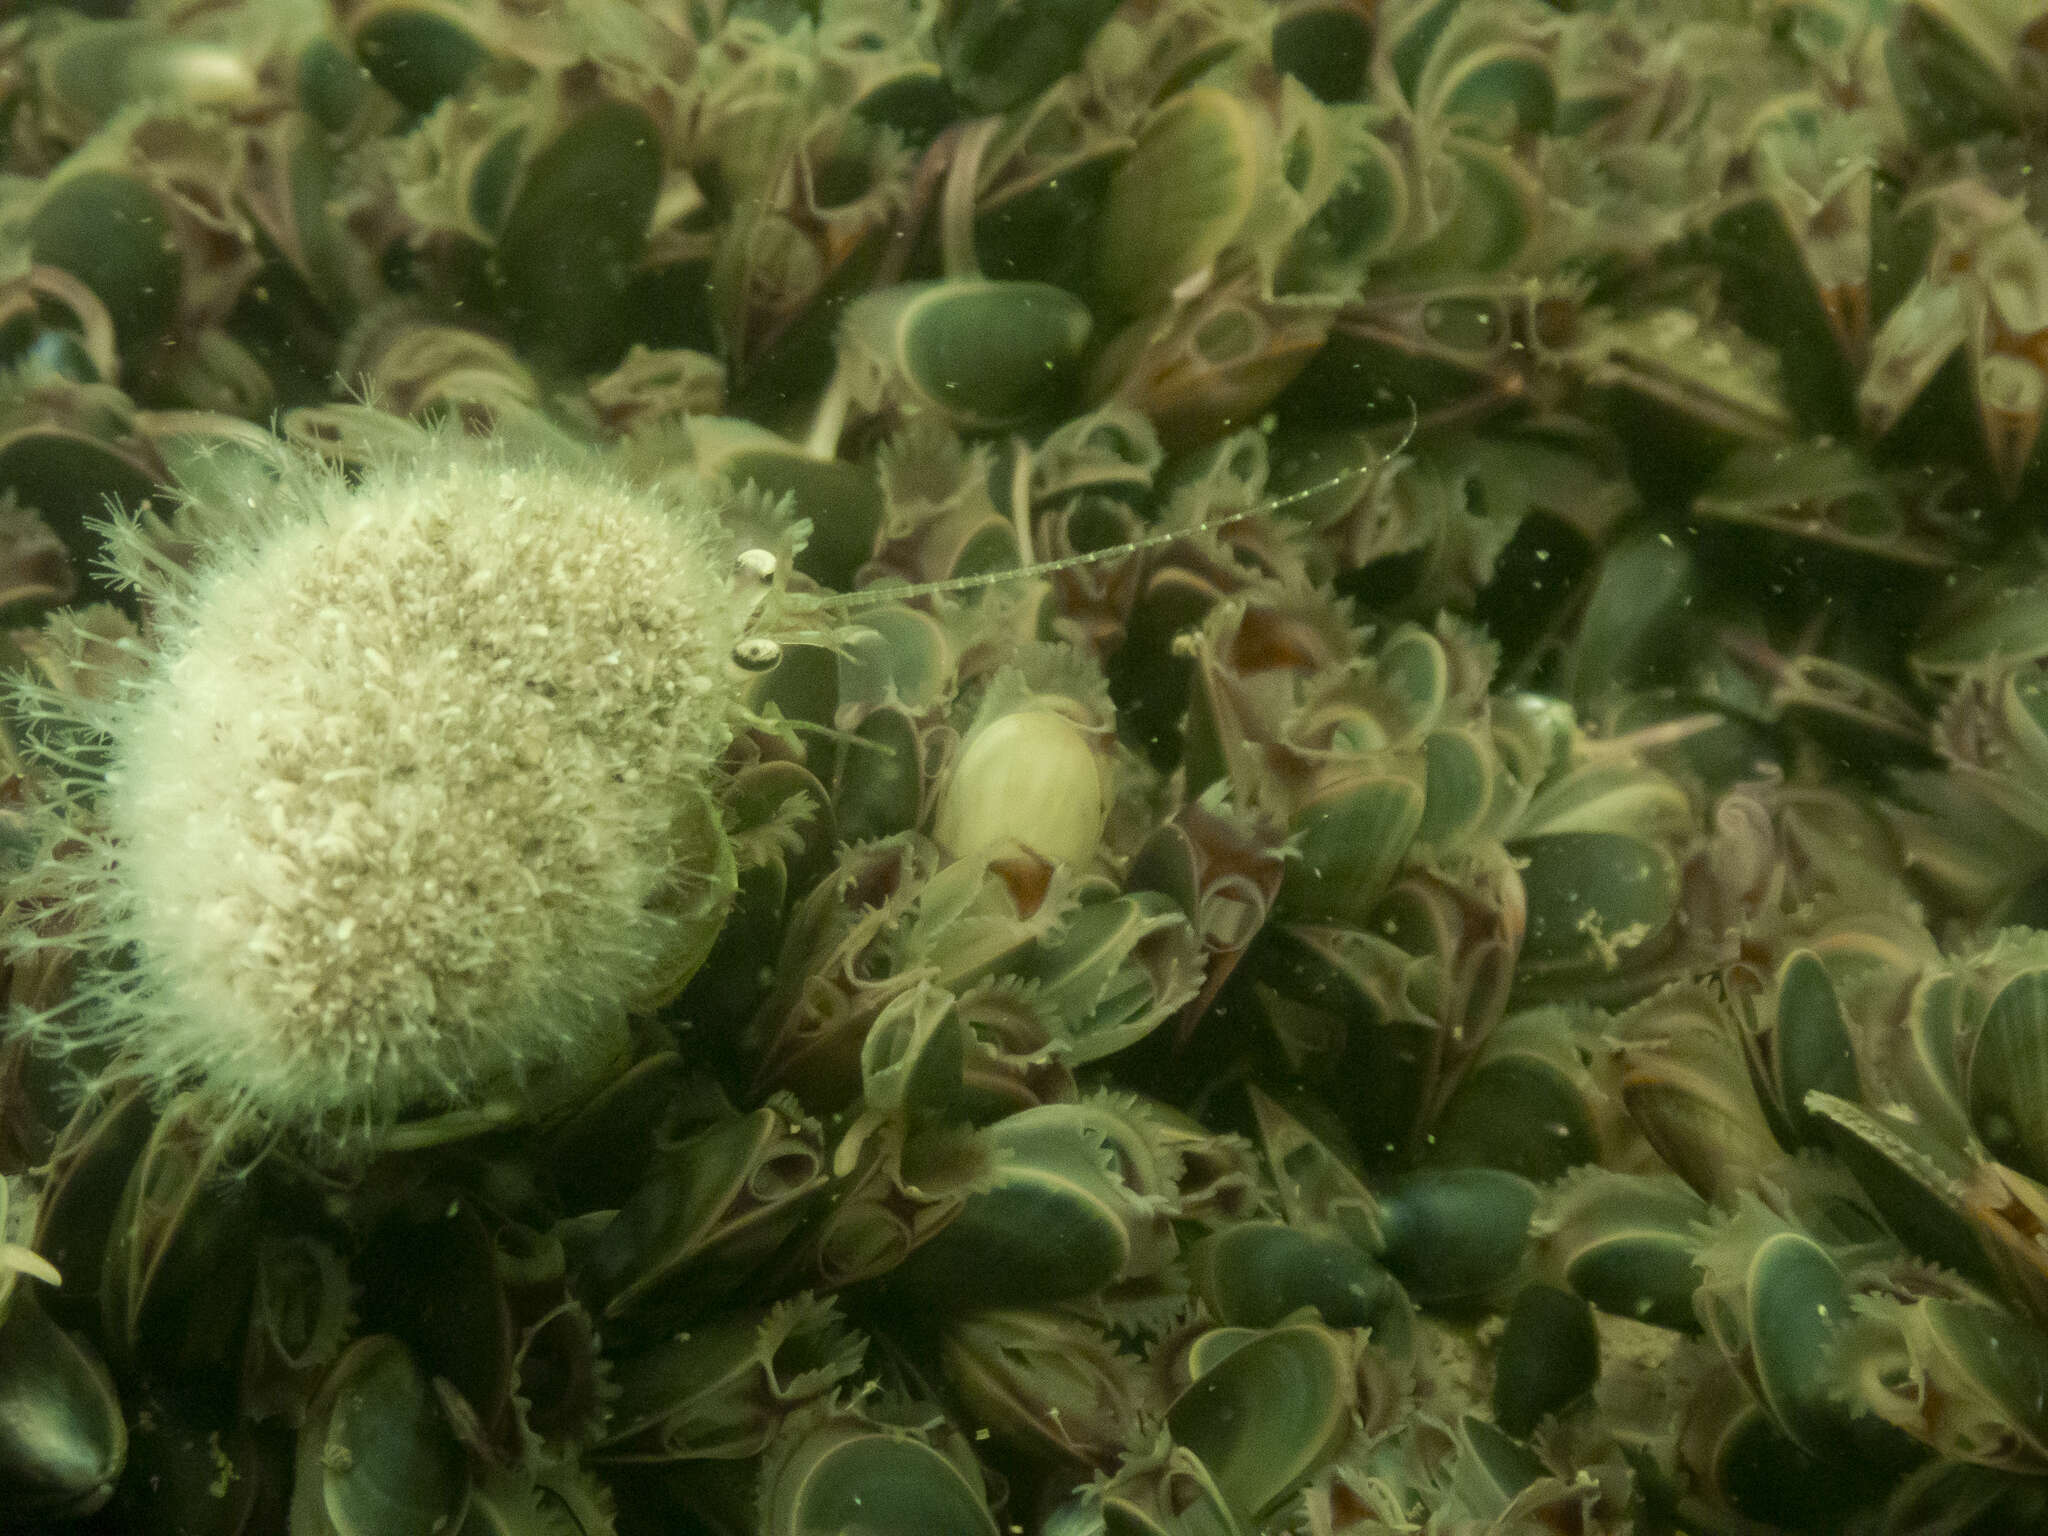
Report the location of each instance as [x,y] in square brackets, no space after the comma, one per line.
[407,802]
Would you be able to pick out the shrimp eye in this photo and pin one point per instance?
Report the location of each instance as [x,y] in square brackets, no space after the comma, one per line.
[755,565]
[756,653]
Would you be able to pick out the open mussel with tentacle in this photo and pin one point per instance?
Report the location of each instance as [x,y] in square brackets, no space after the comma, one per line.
[66,1442]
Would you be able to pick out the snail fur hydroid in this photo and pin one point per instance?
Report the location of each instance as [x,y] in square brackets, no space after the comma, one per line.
[406,801]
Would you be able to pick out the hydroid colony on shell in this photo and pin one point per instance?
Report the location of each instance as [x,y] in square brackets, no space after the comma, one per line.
[408,798]
[1474,968]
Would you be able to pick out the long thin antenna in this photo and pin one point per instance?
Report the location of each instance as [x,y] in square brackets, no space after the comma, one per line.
[870,596]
